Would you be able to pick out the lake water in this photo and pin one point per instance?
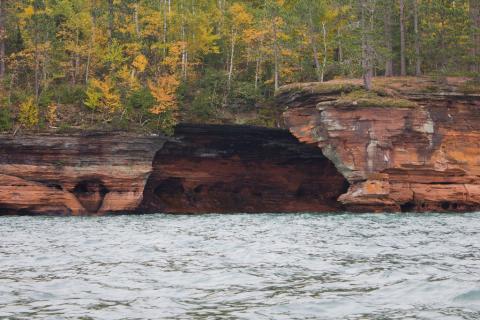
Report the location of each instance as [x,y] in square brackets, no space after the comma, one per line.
[261,266]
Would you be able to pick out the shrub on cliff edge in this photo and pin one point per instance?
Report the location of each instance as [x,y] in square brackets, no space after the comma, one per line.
[28,115]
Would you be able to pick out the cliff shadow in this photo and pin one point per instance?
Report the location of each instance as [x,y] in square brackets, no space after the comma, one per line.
[229,169]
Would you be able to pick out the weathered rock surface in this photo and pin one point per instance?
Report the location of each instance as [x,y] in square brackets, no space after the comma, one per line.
[74,175]
[241,169]
[403,150]
[201,169]
[421,158]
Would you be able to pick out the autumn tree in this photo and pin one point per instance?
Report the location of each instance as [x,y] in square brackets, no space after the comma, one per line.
[240,21]
[153,62]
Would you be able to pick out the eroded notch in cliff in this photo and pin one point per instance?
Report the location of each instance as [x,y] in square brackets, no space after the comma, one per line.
[91,192]
[211,168]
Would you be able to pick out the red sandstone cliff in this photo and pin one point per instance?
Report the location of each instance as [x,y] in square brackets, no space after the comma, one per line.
[74,175]
[411,145]
[405,150]
[201,169]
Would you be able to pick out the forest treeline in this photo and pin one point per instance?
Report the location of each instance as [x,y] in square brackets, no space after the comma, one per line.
[148,63]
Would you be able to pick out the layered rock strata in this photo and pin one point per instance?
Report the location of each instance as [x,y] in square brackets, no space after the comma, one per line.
[200,169]
[74,175]
[230,169]
[419,156]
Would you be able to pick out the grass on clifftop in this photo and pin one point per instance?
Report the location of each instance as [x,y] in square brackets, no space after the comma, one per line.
[470,87]
[393,92]
[389,86]
[321,88]
[372,99]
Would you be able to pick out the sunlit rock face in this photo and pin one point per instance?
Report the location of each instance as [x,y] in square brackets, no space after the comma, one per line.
[421,158]
[200,169]
[74,175]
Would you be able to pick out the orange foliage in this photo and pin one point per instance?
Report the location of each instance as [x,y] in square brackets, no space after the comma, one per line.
[164,92]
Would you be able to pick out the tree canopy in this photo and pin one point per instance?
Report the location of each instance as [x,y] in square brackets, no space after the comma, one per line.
[147,64]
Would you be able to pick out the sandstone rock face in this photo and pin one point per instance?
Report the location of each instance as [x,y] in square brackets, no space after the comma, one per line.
[201,169]
[422,158]
[74,175]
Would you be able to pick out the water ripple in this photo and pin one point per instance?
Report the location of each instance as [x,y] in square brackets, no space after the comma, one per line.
[260,266]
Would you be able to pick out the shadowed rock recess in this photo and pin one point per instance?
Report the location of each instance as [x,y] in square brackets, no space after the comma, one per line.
[422,157]
[201,169]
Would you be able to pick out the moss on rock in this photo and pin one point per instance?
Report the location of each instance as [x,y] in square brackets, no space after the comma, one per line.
[369,99]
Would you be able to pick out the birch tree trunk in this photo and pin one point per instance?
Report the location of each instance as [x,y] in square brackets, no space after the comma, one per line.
[388,38]
[366,51]
[474,8]
[2,39]
[276,53]
[232,57]
[418,59]
[110,20]
[92,41]
[135,18]
[314,49]
[403,63]
[165,28]
[324,64]
[258,66]
[76,68]
[36,55]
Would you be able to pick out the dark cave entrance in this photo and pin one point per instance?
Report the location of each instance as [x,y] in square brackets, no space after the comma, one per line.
[90,192]
[229,169]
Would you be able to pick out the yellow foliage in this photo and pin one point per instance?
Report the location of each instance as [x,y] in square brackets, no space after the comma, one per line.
[52,115]
[140,63]
[174,54]
[251,35]
[102,95]
[128,79]
[28,12]
[240,15]
[164,92]
[28,116]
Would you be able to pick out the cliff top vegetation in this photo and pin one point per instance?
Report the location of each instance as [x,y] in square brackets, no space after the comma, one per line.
[145,65]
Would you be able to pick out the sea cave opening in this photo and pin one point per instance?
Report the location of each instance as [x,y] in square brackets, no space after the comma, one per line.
[230,169]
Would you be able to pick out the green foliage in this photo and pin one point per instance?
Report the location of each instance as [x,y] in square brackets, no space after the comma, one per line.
[5,119]
[204,107]
[244,95]
[165,122]
[213,61]
[203,103]
[64,128]
[267,116]
[93,97]
[141,100]
[45,98]
[65,94]
[69,94]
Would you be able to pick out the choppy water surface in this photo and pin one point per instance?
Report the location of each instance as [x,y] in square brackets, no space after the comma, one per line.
[241,267]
